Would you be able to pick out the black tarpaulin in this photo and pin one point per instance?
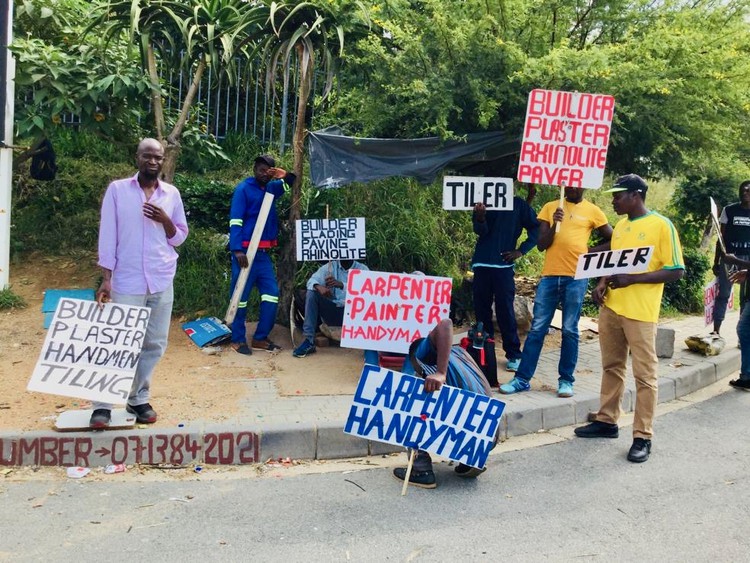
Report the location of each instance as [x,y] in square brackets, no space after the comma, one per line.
[337,160]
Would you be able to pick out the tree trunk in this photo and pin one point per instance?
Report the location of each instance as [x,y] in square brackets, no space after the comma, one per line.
[287,265]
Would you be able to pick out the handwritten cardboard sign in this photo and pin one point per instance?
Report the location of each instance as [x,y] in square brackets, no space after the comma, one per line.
[610,262]
[386,311]
[710,293]
[91,353]
[565,138]
[463,192]
[392,407]
[331,239]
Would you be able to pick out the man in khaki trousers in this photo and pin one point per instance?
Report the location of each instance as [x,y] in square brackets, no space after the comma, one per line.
[630,305]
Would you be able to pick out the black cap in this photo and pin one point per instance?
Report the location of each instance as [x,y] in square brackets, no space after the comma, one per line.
[629,183]
[267,159]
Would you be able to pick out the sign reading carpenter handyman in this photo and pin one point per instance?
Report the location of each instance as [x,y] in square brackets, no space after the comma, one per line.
[394,408]
[710,293]
[91,352]
[464,192]
[386,311]
[610,262]
[331,239]
[565,138]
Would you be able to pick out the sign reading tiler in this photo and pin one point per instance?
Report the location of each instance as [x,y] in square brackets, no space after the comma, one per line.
[565,138]
[91,352]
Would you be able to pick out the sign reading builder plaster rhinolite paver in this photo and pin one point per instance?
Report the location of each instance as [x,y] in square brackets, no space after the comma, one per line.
[91,352]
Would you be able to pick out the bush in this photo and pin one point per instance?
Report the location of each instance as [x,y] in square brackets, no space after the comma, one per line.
[206,202]
[9,300]
[686,294]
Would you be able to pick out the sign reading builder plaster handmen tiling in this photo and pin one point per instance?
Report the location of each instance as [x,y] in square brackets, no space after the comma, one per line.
[91,352]
[387,311]
[610,262]
[331,239]
[464,192]
[565,138]
[394,408]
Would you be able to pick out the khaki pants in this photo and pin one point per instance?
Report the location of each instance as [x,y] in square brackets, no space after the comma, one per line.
[617,336]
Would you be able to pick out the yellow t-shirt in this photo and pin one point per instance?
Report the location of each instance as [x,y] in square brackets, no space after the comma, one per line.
[642,301]
[581,218]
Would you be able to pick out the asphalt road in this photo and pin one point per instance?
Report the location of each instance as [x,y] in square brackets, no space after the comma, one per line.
[574,500]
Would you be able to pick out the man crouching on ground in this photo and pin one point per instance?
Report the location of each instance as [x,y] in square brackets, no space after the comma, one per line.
[436,360]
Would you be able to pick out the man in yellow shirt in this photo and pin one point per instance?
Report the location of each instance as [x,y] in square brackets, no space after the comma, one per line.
[630,305]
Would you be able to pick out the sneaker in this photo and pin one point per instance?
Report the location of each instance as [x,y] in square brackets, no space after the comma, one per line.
[421,479]
[467,471]
[565,389]
[597,429]
[513,364]
[265,344]
[743,384]
[640,450]
[515,385]
[144,414]
[304,349]
[100,418]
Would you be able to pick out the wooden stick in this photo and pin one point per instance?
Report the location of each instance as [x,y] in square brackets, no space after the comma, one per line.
[330,262]
[408,472]
[562,202]
[252,250]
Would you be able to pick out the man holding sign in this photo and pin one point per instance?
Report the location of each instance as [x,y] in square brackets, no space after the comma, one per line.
[142,221]
[436,360]
[630,305]
[558,285]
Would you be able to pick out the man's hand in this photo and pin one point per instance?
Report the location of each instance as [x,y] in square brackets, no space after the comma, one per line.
[241,259]
[480,212]
[597,294]
[511,255]
[617,281]
[276,173]
[104,293]
[738,277]
[156,213]
[559,215]
[323,290]
[434,382]
[333,282]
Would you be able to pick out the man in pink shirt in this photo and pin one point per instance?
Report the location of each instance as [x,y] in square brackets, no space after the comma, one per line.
[142,221]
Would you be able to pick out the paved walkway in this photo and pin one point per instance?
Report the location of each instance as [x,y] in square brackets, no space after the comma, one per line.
[269,425]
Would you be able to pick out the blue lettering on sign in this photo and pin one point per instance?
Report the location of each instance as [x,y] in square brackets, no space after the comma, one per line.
[384,391]
[355,418]
[397,427]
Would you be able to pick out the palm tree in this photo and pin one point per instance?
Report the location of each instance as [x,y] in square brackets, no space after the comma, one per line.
[201,34]
[311,35]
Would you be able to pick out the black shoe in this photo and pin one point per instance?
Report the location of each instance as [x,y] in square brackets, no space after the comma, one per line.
[639,450]
[467,471]
[743,384]
[100,418]
[597,430]
[143,413]
[422,479]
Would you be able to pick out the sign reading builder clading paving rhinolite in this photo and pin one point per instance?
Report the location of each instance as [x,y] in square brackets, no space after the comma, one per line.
[91,352]
[394,408]
[610,262]
[331,239]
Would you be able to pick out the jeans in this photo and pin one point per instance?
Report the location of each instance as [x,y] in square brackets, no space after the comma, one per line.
[154,343]
[743,334]
[551,291]
[497,283]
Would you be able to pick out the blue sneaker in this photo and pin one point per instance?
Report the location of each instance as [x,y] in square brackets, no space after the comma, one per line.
[513,364]
[304,349]
[565,389]
[515,385]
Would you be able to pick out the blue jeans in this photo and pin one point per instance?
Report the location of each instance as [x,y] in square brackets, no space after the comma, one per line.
[551,291]
[743,334]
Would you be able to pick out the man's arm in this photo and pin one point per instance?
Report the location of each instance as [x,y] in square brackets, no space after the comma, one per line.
[441,338]
[659,276]
[605,232]
[479,219]
[547,232]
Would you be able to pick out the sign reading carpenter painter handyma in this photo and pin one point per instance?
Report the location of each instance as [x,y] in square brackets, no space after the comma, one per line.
[91,352]
[394,408]
[565,138]
[386,311]
[464,192]
[710,293]
[331,239]
[610,262]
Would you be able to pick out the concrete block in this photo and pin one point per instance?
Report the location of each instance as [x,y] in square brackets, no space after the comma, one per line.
[694,378]
[667,390]
[527,421]
[296,441]
[332,443]
[561,414]
[231,445]
[727,363]
[664,342]
[381,448]
[583,407]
